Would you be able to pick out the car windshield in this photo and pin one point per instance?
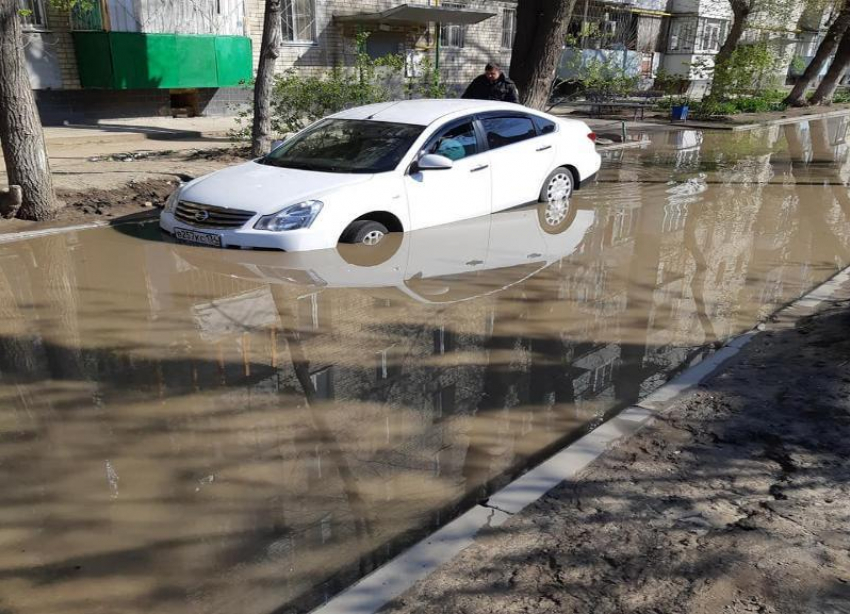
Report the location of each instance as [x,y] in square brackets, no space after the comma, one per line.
[346,146]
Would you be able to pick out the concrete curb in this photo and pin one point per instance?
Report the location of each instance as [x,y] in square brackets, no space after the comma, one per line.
[651,123]
[389,581]
[756,125]
[94,136]
[618,146]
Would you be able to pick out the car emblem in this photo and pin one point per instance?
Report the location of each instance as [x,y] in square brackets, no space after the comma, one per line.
[201,216]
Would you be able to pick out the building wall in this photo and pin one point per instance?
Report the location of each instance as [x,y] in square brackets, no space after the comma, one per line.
[191,17]
[79,105]
[53,69]
[334,42]
[49,52]
[54,75]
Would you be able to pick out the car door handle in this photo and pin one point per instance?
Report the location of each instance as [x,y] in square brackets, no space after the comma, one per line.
[544,148]
[479,168]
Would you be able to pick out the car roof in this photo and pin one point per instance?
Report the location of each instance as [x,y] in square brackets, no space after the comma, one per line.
[424,112]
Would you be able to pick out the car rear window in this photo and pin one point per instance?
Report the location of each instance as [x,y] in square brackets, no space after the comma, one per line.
[544,126]
[503,131]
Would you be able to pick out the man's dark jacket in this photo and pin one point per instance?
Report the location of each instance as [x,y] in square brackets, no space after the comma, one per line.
[502,89]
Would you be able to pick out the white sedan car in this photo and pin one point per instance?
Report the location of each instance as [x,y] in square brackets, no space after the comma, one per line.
[389,167]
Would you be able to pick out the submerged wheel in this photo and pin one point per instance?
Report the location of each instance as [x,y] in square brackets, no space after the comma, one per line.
[558,185]
[555,216]
[364,232]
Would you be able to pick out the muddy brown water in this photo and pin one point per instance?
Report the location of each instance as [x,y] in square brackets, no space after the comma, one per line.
[192,430]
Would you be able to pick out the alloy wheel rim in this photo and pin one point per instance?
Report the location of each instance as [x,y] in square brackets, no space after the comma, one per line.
[556,211]
[559,187]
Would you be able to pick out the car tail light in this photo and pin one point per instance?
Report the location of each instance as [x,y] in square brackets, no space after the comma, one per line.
[592,136]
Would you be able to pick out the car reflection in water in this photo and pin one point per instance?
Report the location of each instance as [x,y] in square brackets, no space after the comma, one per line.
[440,265]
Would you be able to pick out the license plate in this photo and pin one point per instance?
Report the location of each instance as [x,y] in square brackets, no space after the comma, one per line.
[202,238]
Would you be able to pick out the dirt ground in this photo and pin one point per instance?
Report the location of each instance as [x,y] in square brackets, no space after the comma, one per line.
[103,183]
[735,500]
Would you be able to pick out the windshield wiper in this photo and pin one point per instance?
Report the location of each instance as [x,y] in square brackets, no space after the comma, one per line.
[301,166]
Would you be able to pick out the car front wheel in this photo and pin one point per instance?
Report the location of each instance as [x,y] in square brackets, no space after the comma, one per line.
[364,232]
[558,185]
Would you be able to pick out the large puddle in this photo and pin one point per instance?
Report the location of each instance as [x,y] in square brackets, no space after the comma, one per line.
[191,430]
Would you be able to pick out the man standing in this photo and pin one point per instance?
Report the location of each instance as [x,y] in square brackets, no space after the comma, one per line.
[492,85]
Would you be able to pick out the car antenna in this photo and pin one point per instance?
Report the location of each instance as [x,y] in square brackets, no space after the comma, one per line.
[372,116]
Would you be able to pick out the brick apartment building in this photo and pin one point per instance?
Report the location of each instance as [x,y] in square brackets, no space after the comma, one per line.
[126,58]
[130,58]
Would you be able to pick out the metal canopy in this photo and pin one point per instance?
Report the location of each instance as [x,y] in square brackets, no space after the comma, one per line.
[407,14]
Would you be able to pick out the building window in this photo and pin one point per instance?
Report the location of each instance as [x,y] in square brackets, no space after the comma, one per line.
[603,376]
[387,364]
[683,33]
[508,28]
[299,20]
[327,528]
[504,131]
[443,341]
[86,17]
[710,34]
[443,400]
[452,35]
[323,383]
[312,314]
[33,15]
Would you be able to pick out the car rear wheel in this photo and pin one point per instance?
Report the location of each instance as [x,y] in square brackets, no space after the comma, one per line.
[558,185]
[364,232]
[555,216]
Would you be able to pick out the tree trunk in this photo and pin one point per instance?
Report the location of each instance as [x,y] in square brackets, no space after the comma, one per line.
[269,51]
[741,11]
[21,136]
[826,48]
[541,30]
[836,70]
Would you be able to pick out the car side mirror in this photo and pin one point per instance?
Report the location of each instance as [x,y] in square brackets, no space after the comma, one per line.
[434,162]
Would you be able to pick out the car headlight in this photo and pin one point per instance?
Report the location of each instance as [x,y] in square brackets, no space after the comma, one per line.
[293,217]
[171,203]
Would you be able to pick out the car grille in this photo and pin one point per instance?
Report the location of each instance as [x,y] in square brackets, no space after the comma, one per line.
[208,216]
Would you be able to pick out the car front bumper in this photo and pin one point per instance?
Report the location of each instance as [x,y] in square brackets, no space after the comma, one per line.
[247,237]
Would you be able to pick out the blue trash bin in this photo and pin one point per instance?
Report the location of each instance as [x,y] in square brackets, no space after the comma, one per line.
[679,113]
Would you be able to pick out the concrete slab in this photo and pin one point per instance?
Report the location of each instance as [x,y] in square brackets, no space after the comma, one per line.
[388,582]
[688,379]
[566,464]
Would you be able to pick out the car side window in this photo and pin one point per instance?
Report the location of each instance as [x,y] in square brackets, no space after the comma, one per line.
[544,126]
[503,131]
[455,143]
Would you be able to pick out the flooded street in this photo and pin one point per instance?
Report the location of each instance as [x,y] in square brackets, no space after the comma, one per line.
[185,429]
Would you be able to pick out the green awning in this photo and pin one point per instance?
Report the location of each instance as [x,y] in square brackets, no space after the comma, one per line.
[407,14]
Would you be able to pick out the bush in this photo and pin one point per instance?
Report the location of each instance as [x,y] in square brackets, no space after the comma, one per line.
[668,84]
[771,100]
[841,96]
[748,72]
[299,100]
[673,101]
[742,84]
[597,79]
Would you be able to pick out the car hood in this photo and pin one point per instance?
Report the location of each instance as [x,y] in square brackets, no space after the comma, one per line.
[264,189]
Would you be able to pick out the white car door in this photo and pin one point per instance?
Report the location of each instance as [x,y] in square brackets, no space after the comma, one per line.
[448,195]
[519,158]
